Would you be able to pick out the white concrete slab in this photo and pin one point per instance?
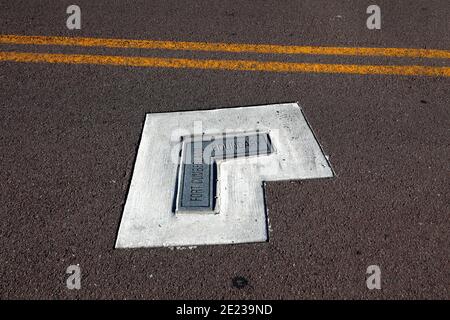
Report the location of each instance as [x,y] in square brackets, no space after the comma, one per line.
[149,218]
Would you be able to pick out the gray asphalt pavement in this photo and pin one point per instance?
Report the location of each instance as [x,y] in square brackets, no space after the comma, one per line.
[69,136]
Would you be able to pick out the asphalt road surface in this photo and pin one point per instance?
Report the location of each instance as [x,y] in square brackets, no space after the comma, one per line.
[69,135]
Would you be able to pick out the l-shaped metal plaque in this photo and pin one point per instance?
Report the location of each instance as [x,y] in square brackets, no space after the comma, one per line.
[197,182]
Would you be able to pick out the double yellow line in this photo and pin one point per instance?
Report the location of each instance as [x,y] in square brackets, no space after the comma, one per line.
[246,65]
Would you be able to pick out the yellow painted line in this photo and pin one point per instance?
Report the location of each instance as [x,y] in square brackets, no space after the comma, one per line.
[224,47]
[223,64]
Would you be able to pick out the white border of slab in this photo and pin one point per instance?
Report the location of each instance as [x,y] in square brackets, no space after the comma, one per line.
[149,218]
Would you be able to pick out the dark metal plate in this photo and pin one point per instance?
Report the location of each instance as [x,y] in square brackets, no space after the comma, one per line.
[198,183]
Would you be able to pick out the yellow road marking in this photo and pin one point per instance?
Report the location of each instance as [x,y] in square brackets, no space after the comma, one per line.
[224,47]
[223,64]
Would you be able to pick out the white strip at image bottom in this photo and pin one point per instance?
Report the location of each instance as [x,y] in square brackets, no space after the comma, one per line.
[236,212]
